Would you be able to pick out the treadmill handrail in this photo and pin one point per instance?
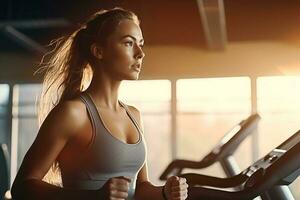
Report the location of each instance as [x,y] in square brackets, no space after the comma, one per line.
[246,127]
[178,165]
[206,180]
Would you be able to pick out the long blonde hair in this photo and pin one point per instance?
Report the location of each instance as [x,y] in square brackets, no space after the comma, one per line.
[69,68]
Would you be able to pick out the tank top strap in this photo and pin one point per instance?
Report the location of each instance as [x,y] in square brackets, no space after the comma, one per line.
[131,116]
[92,113]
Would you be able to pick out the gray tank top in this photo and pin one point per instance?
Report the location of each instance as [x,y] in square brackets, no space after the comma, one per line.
[105,158]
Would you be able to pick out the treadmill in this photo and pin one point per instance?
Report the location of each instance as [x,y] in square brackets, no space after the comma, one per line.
[222,152]
[268,177]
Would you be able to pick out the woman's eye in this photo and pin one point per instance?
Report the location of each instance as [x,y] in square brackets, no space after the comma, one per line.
[129,43]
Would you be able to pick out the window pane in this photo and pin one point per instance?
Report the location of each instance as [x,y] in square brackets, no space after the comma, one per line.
[4,98]
[24,117]
[152,98]
[214,95]
[4,93]
[208,108]
[158,138]
[279,106]
[147,95]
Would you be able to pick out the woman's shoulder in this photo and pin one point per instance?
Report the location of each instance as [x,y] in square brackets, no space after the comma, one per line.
[73,108]
[67,115]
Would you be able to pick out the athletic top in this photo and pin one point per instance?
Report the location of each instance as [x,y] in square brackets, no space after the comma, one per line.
[105,158]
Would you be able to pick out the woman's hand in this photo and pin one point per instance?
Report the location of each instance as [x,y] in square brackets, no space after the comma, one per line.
[115,188]
[176,188]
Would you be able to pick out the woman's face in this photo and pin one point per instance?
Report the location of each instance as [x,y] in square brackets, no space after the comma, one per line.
[122,54]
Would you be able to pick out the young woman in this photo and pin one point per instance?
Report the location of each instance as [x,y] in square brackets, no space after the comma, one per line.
[96,140]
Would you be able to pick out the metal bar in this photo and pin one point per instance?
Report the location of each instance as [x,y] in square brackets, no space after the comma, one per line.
[255,135]
[173,119]
[212,14]
[223,29]
[230,166]
[204,22]
[24,40]
[36,23]
[9,119]
[14,136]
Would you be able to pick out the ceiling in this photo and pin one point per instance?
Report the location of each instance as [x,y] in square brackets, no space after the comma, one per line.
[164,22]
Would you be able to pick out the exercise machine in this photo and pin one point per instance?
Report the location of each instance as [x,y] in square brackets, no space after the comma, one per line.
[268,177]
[222,152]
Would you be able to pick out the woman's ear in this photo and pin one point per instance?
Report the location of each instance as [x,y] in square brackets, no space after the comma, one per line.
[96,51]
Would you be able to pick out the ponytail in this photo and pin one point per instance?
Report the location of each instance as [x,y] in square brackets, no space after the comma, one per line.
[65,72]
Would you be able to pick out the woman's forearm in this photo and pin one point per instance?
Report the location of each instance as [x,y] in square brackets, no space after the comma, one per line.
[147,191]
[34,189]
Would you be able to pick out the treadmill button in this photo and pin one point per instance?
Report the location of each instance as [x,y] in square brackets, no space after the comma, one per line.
[273,158]
[267,157]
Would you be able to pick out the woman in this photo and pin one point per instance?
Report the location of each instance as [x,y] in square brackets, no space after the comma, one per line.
[96,140]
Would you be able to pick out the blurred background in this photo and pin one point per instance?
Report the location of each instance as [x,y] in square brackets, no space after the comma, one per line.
[208,65]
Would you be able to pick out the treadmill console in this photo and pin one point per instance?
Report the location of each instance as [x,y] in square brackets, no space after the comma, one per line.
[264,162]
[267,177]
[257,169]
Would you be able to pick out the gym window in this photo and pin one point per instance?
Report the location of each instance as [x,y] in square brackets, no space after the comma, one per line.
[206,109]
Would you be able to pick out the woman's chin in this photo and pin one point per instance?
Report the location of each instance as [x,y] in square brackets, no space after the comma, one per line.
[133,77]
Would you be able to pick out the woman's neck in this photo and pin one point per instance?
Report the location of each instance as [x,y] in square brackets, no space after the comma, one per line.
[104,91]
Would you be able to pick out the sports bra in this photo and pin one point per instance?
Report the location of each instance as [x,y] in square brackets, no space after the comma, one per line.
[106,156]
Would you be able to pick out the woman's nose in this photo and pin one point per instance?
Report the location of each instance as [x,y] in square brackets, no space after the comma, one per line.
[140,53]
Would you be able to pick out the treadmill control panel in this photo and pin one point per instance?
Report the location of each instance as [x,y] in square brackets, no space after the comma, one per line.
[265,162]
[274,155]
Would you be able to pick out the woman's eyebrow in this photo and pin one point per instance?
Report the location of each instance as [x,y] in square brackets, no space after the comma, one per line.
[132,37]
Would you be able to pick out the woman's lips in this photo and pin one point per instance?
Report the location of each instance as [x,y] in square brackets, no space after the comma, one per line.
[136,67]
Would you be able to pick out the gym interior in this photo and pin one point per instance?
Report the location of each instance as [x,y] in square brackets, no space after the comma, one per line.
[209,66]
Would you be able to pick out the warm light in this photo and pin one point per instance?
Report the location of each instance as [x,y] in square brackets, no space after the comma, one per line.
[147,95]
[290,69]
[146,90]
[231,94]
[280,94]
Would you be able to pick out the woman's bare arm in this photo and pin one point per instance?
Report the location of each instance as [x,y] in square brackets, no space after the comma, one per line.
[63,123]
[145,190]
